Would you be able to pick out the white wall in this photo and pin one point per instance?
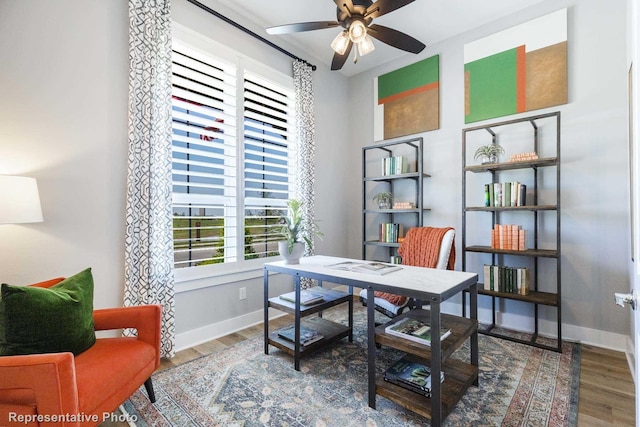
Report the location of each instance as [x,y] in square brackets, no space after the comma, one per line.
[595,236]
[63,120]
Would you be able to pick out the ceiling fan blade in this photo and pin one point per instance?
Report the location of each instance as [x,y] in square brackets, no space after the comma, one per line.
[382,7]
[339,60]
[346,6]
[395,38]
[302,26]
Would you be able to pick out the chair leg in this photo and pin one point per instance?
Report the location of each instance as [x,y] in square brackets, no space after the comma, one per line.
[148,385]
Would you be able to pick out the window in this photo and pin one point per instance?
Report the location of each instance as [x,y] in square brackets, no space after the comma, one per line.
[233,158]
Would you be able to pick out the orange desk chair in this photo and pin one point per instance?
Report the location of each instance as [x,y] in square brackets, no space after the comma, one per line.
[423,247]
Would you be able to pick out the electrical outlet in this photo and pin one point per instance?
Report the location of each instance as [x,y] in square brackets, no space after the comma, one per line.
[243,293]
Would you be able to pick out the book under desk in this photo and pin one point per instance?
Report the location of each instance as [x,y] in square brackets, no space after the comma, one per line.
[331,331]
[458,375]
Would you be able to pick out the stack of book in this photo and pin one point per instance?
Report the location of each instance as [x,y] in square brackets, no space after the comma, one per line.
[414,330]
[508,236]
[523,157]
[411,376]
[307,335]
[307,297]
[395,165]
[390,232]
[505,194]
[514,280]
[404,205]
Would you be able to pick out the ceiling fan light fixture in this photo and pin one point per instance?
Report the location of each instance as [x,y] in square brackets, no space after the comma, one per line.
[366,46]
[340,43]
[357,31]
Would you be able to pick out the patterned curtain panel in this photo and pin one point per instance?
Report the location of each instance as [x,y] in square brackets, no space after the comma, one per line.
[306,152]
[149,240]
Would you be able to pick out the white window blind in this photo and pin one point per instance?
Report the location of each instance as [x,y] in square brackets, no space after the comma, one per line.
[268,161]
[222,215]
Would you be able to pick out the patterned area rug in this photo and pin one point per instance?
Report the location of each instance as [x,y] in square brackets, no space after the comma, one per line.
[241,386]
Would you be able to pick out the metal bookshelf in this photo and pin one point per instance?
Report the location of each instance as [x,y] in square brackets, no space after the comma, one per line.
[541,216]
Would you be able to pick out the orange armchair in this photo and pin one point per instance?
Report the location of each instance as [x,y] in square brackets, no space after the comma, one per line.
[58,389]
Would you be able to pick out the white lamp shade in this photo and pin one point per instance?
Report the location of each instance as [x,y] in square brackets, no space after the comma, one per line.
[340,43]
[366,46]
[19,200]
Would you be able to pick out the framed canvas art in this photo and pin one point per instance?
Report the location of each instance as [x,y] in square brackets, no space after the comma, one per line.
[520,69]
[407,100]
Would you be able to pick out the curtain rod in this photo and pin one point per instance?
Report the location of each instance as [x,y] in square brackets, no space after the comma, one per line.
[248,31]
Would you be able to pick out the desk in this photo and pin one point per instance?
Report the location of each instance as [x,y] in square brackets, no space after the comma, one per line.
[425,284]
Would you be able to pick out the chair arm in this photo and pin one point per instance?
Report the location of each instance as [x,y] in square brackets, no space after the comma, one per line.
[146,319]
[51,377]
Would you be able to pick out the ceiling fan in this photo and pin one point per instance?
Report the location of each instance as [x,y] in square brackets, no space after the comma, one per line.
[356,17]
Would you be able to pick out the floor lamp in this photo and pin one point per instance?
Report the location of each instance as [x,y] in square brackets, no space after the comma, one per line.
[19,200]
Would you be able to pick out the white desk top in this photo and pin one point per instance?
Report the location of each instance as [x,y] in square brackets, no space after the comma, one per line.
[428,281]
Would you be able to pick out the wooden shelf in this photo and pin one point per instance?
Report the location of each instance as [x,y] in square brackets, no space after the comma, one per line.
[458,377]
[331,298]
[332,332]
[461,329]
[393,211]
[510,208]
[548,161]
[408,175]
[544,298]
[379,243]
[543,253]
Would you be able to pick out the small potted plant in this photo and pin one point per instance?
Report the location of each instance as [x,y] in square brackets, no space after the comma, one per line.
[383,199]
[488,153]
[296,231]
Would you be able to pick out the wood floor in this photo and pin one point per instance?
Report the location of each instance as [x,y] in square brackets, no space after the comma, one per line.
[607,396]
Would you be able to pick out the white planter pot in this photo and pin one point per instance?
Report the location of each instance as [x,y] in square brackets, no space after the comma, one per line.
[294,256]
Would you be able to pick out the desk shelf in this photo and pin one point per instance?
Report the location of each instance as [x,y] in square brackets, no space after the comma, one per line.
[458,375]
[332,331]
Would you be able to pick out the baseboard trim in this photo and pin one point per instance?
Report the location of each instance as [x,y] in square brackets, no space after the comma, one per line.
[597,338]
[213,331]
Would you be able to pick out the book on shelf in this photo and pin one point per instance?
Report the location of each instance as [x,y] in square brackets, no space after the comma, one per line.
[500,278]
[509,237]
[390,232]
[378,268]
[414,330]
[307,297]
[307,335]
[505,194]
[395,165]
[411,375]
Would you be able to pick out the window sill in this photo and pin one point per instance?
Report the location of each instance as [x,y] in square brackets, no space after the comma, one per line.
[191,279]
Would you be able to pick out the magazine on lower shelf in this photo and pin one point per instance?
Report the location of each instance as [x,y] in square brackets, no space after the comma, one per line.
[307,297]
[411,375]
[414,330]
[379,268]
[307,335]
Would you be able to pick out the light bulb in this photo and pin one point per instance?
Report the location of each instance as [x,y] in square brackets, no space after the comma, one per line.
[340,43]
[357,31]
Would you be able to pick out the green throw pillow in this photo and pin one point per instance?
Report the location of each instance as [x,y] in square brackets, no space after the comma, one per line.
[47,320]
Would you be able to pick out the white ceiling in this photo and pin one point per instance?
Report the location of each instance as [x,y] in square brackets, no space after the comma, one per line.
[429,21]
